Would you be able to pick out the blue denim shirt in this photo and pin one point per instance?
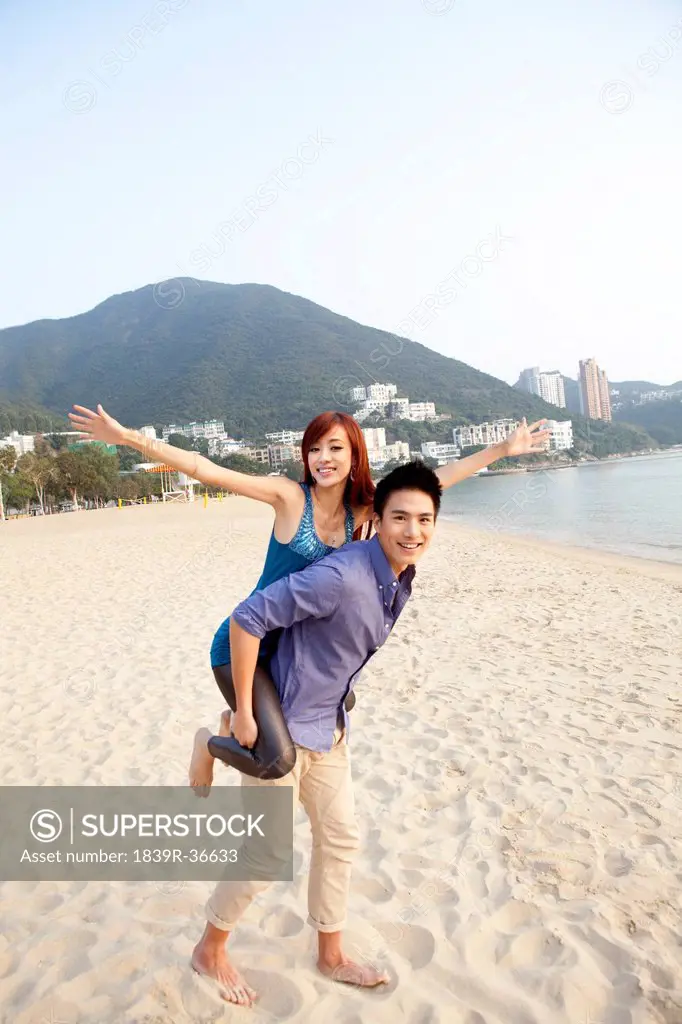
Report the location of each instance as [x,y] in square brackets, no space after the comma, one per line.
[335,614]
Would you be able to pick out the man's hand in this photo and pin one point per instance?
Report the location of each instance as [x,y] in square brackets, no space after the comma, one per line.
[244,728]
[527,439]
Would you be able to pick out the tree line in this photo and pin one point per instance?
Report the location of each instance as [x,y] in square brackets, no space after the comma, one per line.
[87,476]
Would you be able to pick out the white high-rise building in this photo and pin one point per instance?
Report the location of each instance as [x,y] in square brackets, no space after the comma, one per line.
[149,432]
[549,386]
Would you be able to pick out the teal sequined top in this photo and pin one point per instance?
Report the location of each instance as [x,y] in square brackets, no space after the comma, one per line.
[281,560]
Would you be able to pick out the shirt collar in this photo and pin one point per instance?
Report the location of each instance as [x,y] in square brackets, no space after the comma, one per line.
[386,578]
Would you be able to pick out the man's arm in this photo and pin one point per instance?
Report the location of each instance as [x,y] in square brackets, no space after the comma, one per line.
[314,592]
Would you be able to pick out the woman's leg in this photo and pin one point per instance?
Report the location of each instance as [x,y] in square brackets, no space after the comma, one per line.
[273,755]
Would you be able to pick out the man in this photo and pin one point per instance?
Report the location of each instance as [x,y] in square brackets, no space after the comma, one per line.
[334,615]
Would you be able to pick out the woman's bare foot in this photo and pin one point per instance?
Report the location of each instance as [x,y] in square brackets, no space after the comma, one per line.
[201,765]
[211,961]
[342,968]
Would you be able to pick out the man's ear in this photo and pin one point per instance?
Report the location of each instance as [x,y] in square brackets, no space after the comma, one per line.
[376,520]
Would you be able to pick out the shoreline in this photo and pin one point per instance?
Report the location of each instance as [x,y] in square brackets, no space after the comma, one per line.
[651,567]
[544,467]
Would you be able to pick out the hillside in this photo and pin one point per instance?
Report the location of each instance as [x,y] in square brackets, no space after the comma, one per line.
[662,420]
[256,357]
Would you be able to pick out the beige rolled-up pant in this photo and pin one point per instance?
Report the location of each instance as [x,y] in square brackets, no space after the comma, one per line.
[322,782]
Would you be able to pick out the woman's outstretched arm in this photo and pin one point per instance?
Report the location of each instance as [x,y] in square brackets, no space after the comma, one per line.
[525,440]
[102,427]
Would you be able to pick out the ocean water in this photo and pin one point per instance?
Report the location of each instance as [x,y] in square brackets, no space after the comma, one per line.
[631,506]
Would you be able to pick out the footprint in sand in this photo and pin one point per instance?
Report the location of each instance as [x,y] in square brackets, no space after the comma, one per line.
[278,997]
[282,923]
[616,863]
[410,941]
[535,948]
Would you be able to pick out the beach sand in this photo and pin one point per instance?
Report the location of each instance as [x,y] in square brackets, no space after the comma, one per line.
[517,754]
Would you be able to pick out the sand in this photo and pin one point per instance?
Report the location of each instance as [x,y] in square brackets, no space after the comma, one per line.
[517,755]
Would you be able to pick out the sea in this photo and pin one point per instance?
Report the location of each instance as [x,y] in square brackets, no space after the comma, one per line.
[629,506]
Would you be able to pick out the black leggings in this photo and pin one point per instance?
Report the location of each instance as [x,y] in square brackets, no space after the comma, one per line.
[273,755]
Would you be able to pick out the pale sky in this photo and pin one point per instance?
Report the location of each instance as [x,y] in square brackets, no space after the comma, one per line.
[392,141]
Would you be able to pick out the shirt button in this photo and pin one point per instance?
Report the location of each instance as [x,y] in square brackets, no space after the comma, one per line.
[387,626]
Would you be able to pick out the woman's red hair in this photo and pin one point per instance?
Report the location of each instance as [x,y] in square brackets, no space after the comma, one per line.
[359,486]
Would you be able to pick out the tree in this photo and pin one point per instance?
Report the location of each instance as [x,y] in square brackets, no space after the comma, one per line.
[241,464]
[18,490]
[40,470]
[88,471]
[180,441]
[8,460]
[294,470]
[128,457]
[74,473]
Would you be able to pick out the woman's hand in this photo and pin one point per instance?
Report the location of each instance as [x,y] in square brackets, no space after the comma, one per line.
[98,425]
[244,728]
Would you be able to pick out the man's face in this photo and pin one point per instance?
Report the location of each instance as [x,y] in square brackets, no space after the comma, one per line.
[406,527]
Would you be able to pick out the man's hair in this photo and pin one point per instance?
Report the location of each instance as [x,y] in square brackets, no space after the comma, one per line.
[413,476]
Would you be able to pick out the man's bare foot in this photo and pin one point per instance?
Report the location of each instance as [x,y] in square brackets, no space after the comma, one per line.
[342,968]
[201,765]
[213,962]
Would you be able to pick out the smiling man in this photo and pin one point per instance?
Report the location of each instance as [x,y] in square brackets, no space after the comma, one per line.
[334,616]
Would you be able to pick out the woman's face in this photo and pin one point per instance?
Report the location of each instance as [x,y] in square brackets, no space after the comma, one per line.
[330,458]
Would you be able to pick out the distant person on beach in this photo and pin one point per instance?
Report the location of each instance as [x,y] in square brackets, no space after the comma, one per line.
[332,616]
[329,508]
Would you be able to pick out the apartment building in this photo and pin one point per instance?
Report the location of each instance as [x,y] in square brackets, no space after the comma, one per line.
[441,452]
[548,386]
[484,433]
[595,400]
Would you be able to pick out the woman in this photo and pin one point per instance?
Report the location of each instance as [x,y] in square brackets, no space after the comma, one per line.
[331,507]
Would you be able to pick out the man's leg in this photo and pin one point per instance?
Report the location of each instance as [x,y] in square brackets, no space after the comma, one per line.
[224,909]
[327,794]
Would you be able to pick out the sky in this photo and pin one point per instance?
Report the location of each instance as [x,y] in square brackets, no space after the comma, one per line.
[497,181]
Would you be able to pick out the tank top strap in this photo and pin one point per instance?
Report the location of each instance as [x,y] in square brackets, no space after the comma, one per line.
[307,518]
[350,523]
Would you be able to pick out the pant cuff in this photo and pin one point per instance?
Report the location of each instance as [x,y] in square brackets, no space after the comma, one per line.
[338,927]
[218,922]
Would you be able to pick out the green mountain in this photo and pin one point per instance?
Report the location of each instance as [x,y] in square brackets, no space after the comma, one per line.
[662,420]
[629,388]
[256,357]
